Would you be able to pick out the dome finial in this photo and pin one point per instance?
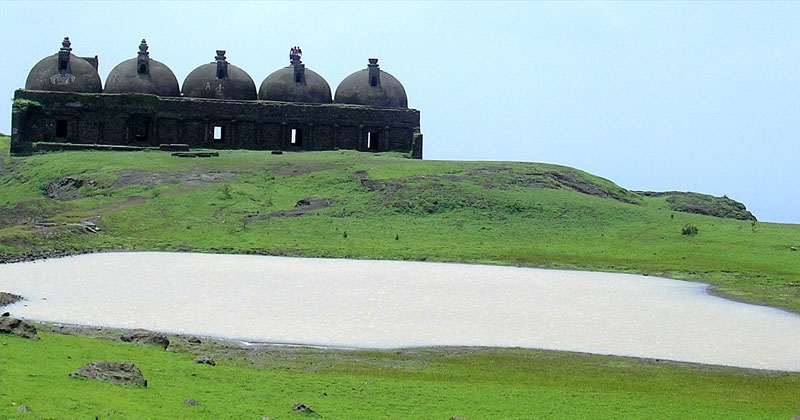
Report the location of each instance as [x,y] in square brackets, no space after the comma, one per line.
[143,59]
[63,55]
[222,65]
[374,73]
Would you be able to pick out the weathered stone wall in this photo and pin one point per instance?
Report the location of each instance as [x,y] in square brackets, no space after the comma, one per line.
[149,120]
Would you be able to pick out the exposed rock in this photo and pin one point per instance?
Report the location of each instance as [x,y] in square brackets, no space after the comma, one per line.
[204,360]
[457,418]
[122,373]
[194,340]
[302,207]
[191,401]
[9,325]
[9,298]
[69,188]
[140,336]
[303,408]
[696,203]
[24,408]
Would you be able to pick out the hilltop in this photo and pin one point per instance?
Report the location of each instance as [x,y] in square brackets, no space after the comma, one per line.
[358,205]
[346,204]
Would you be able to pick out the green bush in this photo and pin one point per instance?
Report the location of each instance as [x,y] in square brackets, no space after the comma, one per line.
[689,230]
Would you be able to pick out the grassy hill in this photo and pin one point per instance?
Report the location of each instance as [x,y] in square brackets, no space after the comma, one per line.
[346,204]
[359,205]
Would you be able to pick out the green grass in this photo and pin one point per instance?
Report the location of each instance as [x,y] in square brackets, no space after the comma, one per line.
[384,207]
[419,384]
[389,207]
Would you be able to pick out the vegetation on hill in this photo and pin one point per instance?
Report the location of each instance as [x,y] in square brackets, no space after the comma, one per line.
[360,205]
[385,206]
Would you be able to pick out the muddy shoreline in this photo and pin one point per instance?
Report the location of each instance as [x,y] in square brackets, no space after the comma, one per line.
[41,255]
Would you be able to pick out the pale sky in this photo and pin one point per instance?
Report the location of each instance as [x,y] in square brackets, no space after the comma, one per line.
[687,96]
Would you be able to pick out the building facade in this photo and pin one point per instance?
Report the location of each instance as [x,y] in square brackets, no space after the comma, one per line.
[218,107]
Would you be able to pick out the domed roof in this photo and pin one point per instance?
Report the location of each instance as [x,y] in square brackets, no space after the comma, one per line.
[295,83]
[142,75]
[372,87]
[219,80]
[65,72]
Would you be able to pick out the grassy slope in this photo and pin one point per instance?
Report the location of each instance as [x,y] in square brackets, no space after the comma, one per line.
[415,384]
[388,207]
[385,207]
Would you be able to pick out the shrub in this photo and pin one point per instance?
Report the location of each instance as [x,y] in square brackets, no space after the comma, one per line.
[689,230]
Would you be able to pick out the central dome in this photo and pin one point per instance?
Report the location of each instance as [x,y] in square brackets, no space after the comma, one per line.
[219,80]
[142,75]
[65,72]
[295,83]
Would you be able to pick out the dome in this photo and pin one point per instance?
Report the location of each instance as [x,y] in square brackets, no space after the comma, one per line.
[142,75]
[372,87]
[65,72]
[219,80]
[295,83]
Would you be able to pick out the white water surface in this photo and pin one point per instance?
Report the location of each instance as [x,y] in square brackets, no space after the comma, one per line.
[393,304]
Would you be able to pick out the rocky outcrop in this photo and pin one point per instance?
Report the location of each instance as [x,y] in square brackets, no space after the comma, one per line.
[708,205]
[122,373]
[140,336]
[9,298]
[302,408]
[10,325]
[204,360]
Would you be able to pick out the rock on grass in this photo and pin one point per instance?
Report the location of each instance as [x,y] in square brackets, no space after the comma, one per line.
[122,373]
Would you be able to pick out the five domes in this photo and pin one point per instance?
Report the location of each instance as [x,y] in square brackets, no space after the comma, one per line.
[216,80]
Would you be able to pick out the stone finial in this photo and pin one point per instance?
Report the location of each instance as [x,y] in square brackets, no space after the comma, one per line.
[299,73]
[66,44]
[143,62]
[222,65]
[63,54]
[374,73]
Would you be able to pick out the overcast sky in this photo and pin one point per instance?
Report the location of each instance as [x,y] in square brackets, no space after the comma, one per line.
[688,96]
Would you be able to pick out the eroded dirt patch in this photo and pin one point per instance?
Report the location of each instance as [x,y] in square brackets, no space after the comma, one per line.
[303,206]
[129,178]
[295,169]
[73,187]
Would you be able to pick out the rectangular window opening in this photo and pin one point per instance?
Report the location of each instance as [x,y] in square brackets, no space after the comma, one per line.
[297,137]
[218,134]
[61,128]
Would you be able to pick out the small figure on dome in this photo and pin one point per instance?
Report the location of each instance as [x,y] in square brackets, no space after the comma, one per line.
[295,54]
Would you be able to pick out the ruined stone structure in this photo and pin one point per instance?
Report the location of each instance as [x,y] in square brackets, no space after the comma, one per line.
[65,105]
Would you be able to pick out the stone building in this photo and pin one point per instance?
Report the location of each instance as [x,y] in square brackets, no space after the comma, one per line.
[64,105]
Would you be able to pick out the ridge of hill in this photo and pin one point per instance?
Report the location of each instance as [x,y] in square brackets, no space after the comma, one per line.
[345,204]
